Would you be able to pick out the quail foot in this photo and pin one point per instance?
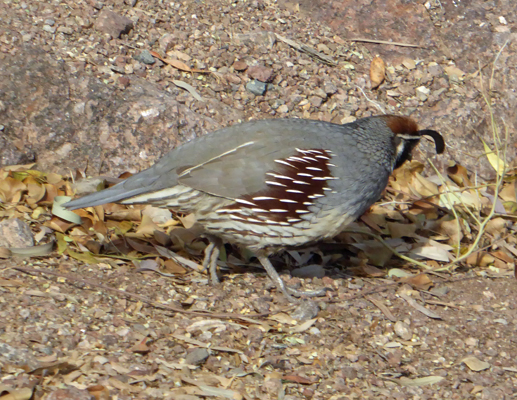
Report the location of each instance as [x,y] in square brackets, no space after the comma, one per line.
[273,184]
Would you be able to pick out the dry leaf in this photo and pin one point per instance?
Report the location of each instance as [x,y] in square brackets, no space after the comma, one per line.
[377,72]
[452,70]
[100,392]
[297,379]
[376,253]
[495,161]
[420,281]
[475,364]
[509,192]
[428,380]
[303,327]
[172,267]
[497,227]
[459,175]
[418,307]
[480,259]
[401,230]
[450,228]
[141,347]
[17,394]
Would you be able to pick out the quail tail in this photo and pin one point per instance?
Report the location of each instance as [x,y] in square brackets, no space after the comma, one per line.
[114,194]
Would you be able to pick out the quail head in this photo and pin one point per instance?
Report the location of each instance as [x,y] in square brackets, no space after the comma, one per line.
[273,184]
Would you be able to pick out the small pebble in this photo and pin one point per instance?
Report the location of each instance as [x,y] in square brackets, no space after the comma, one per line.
[197,356]
[256,87]
[306,310]
[403,330]
[145,57]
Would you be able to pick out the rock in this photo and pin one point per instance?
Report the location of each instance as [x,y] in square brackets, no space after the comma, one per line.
[49,29]
[166,42]
[306,310]
[403,330]
[309,271]
[65,29]
[258,38]
[260,73]
[114,24]
[240,66]
[70,392]
[98,119]
[197,356]
[145,57]
[283,109]
[422,93]
[315,101]
[256,87]
[17,356]
[15,233]
[435,69]
[275,103]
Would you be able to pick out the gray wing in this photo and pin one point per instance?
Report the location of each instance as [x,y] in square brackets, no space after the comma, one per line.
[229,163]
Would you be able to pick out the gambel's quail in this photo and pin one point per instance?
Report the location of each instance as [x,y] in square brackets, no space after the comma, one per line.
[273,184]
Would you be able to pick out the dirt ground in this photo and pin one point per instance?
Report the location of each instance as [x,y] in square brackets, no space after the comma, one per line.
[78,89]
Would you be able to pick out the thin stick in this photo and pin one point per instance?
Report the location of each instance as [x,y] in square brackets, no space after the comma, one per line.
[385,42]
[495,61]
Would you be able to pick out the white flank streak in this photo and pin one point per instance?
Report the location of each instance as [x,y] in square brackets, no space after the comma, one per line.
[301,183]
[314,169]
[275,183]
[319,178]
[237,218]
[229,211]
[294,220]
[263,198]
[302,211]
[323,157]
[279,176]
[310,159]
[187,171]
[304,174]
[308,203]
[271,222]
[308,151]
[317,195]
[277,210]
[297,159]
[255,220]
[258,210]
[285,163]
[284,224]
[287,201]
[294,191]
[330,165]
[249,203]
[327,189]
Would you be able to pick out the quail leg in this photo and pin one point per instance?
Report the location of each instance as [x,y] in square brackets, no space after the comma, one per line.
[211,256]
[271,271]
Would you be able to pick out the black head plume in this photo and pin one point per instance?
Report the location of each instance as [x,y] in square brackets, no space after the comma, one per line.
[407,136]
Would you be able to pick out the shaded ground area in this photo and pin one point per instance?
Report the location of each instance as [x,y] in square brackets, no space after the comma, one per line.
[77,93]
